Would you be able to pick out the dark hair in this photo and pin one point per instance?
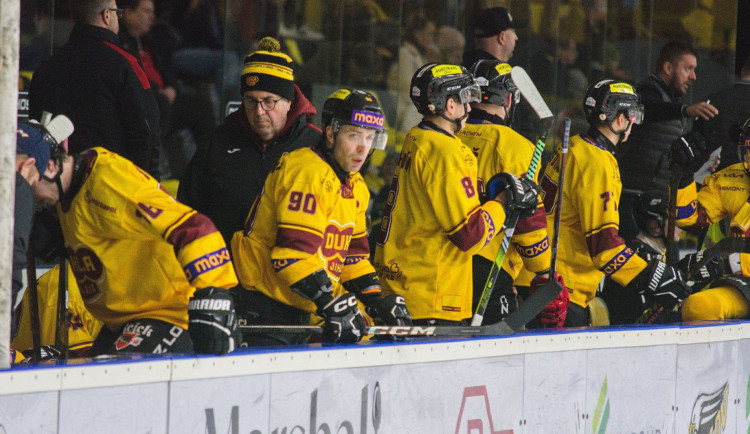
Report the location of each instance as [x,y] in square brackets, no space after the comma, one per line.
[673,50]
[86,11]
[129,4]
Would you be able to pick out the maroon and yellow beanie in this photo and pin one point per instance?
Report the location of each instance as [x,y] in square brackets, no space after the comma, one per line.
[268,69]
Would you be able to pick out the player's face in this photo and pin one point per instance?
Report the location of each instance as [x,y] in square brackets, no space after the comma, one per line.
[266,123]
[352,147]
[683,73]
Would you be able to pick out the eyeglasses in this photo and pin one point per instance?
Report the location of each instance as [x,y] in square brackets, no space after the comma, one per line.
[118,11]
[268,104]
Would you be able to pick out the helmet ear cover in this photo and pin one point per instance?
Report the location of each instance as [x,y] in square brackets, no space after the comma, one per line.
[433,84]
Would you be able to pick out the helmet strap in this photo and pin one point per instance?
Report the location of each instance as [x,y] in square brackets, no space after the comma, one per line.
[458,120]
[620,134]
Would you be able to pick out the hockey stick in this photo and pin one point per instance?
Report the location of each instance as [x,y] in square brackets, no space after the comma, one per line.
[674,184]
[61,331]
[546,293]
[723,247]
[497,329]
[36,340]
[535,100]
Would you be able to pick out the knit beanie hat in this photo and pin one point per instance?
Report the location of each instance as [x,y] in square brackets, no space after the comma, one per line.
[268,69]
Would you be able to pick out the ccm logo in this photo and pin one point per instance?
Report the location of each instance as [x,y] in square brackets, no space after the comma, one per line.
[344,304]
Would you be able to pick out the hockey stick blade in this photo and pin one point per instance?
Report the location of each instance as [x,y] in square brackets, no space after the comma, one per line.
[498,329]
[724,246]
[530,92]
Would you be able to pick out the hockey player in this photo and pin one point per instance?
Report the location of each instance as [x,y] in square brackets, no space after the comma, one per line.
[589,245]
[500,149]
[139,256]
[306,234]
[433,221]
[724,194]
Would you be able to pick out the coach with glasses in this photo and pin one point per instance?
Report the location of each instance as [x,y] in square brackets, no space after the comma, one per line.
[100,87]
[224,176]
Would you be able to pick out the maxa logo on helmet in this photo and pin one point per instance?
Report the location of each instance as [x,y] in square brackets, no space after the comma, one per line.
[442,70]
[368,119]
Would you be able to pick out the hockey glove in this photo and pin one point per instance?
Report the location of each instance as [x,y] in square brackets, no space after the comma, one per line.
[344,322]
[390,311]
[688,149]
[706,274]
[213,324]
[520,194]
[554,314]
[661,282]
[48,353]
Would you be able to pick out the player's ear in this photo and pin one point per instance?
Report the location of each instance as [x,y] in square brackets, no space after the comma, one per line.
[329,136]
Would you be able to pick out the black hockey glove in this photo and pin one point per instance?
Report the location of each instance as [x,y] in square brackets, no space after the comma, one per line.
[520,194]
[48,352]
[390,311]
[706,274]
[213,321]
[661,282]
[344,322]
[688,150]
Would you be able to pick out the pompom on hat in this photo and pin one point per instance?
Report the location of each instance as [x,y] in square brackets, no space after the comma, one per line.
[268,69]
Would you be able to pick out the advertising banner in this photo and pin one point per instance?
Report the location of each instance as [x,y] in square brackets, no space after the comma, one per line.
[742,392]
[28,413]
[554,395]
[630,390]
[706,388]
[223,405]
[116,409]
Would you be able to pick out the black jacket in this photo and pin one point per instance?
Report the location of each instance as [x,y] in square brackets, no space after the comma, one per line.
[104,91]
[223,179]
[723,130]
[23,214]
[644,162]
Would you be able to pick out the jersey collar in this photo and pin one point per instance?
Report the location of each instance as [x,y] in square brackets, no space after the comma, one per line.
[596,138]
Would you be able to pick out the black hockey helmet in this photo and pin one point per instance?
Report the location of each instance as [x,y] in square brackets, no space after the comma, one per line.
[608,98]
[355,107]
[744,144]
[434,83]
[651,205]
[495,82]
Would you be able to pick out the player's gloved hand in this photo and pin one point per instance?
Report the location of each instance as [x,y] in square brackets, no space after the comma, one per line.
[344,322]
[213,324]
[554,314]
[707,273]
[48,352]
[390,310]
[661,282]
[688,149]
[520,194]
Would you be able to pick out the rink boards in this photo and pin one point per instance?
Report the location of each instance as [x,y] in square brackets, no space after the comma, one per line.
[638,380]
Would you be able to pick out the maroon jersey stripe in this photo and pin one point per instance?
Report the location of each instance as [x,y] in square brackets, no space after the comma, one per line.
[605,239]
[196,226]
[470,234]
[295,239]
[530,224]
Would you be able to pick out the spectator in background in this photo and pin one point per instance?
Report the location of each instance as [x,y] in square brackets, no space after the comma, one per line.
[224,176]
[418,40]
[733,104]
[178,110]
[450,44]
[494,36]
[100,87]
[644,162]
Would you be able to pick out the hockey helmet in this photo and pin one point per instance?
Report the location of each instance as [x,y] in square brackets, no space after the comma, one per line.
[355,107]
[744,144]
[651,205]
[608,98]
[495,82]
[434,83]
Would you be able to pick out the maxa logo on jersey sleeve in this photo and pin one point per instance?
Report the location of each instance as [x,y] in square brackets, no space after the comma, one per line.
[686,211]
[280,264]
[534,249]
[617,261]
[206,263]
[367,119]
[351,260]
[490,226]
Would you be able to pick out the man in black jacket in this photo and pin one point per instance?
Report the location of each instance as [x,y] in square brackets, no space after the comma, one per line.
[223,178]
[644,162]
[100,87]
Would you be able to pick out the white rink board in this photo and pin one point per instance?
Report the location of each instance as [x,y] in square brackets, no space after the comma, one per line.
[656,378]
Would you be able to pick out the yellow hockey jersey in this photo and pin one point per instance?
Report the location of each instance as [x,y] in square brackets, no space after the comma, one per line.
[304,220]
[723,194]
[135,251]
[433,224]
[82,326]
[589,244]
[500,149]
